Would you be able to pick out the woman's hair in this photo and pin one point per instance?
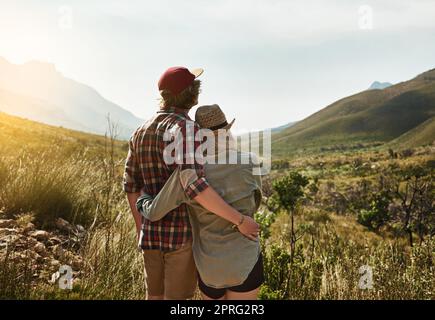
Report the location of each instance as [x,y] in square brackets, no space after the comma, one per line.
[185,100]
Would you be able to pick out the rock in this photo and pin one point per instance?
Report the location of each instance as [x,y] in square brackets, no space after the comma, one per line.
[80,230]
[40,249]
[9,239]
[63,225]
[54,241]
[45,251]
[32,255]
[29,227]
[30,242]
[8,231]
[17,257]
[69,256]
[7,223]
[47,260]
[39,260]
[20,244]
[58,251]
[40,235]
[76,263]
[55,263]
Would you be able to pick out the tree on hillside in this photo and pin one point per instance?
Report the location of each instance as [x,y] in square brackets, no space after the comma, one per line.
[289,193]
[414,190]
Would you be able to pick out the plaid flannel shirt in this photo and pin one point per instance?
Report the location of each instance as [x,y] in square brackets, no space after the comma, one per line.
[146,169]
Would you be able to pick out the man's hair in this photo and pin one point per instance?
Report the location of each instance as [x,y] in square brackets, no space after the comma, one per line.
[185,100]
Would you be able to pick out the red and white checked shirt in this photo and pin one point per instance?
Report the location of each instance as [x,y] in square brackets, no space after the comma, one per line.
[146,169]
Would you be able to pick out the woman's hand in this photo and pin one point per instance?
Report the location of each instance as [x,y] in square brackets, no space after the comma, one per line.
[249,228]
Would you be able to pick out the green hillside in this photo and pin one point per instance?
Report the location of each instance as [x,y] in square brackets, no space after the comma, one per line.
[62,203]
[369,116]
[18,135]
[421,135]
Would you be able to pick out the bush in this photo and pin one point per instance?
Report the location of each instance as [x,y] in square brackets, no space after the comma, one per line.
[280,164]
[81,188]
[378,214]
[406,153]
[290,189]
[328,267]
[276,262]
[49,188]
[265,220]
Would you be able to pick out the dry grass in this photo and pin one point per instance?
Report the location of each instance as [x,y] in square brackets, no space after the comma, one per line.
[47,172]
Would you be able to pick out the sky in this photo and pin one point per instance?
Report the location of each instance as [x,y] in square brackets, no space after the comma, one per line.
[267,62]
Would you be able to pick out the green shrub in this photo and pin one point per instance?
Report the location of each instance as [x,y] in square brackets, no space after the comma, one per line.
[265,220]
[378,214]
[327,266]
[276,262]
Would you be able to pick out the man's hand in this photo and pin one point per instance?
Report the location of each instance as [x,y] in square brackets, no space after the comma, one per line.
[249,228]
[132,198]
[138,230]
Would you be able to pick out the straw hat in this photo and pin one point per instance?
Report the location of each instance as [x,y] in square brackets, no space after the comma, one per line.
[212,117]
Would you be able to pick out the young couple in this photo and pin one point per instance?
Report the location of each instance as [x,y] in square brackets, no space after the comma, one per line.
[194,218]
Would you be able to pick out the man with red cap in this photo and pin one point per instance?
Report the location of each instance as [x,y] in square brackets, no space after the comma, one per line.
[167,243]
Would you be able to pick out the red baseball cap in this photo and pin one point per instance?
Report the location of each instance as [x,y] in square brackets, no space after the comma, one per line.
[176,79]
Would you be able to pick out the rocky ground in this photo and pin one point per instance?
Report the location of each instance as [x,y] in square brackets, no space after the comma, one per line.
[44,252]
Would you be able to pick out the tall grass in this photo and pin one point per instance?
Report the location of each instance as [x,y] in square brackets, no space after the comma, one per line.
[83,187]
[15,278]
[327,266]
[114,268]
[48,186]
[87,190]
[82,184]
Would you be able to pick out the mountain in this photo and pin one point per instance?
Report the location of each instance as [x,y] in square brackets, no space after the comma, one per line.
[285,126]
[254,138]
[380,85]
[18,134]
[37,91]
[369,116]
[420,135]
